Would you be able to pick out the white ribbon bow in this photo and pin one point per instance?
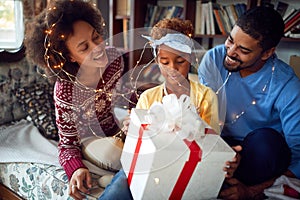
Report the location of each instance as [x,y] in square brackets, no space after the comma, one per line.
[178,116]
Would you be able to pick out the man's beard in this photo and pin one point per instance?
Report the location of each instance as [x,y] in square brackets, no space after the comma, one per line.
[238,65]
[229,66]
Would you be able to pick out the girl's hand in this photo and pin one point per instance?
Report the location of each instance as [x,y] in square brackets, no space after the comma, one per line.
[80,182]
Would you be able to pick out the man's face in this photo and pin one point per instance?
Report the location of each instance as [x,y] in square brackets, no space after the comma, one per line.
[243,52]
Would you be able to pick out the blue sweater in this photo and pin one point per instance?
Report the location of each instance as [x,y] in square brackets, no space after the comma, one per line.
[268,98]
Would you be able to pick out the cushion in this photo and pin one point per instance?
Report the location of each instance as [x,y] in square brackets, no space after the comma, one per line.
[14,75]
[103,152]
[37,101]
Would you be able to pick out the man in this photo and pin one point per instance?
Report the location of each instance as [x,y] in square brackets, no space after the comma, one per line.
[259,98]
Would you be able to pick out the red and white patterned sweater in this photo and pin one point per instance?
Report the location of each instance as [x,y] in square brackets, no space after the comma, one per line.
[81,111]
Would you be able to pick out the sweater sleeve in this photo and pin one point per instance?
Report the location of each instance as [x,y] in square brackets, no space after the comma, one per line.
[70,156]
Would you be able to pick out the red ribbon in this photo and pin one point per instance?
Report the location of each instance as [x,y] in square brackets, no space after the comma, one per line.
[187,171]
[209,131]
[136,153]
[291,192]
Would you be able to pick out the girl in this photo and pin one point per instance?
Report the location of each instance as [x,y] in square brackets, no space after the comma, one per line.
[172,47]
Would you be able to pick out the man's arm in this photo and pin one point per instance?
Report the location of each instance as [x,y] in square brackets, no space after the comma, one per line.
[238,190]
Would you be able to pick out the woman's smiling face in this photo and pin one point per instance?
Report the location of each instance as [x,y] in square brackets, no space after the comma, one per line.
[86,46]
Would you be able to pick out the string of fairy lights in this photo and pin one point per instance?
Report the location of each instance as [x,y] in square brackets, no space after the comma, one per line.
[253,102]
[61,60]
[57,68]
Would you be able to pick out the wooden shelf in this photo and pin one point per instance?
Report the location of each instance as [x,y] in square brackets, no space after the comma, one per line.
[284,39]
[136,20]
[122,17]
[7,194]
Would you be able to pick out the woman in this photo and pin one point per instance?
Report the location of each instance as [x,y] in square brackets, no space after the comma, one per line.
[67,41]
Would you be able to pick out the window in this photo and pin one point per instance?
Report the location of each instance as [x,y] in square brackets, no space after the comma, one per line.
[11,25]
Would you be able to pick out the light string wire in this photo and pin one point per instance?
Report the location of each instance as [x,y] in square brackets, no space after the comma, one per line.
[73,79]
[227,78]
[254,101]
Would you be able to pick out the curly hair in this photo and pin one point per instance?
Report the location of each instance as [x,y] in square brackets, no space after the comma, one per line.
[264,24]
[52,28]
[173,25]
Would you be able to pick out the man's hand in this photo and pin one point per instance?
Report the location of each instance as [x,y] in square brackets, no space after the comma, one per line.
[237,190]
[80,182]
[232,165]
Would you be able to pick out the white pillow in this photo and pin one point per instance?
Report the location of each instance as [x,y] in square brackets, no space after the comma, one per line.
[103,152]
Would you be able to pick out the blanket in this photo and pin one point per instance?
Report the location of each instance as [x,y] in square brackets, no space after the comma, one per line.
[284,188]
[22,142]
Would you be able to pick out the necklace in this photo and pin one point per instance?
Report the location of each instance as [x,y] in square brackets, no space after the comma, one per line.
[253,102]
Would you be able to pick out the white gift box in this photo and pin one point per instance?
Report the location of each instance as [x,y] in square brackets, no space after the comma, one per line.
[164,166]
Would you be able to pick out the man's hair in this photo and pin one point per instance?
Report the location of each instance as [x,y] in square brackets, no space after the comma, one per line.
[264,24]
[58,18]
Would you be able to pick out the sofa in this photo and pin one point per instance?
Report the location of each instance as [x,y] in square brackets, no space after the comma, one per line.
[29,167]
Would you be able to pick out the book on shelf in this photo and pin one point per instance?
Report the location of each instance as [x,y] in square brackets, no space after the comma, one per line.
[205,24]
[219,18]
[123,8]
[294,32]
[240,8]
[198,19]
[156,12]
[149,14]
[231,11]
[294,35]
[204,18]
[282,7]
[294,20]
[226,20]
[289,14]
[211,18]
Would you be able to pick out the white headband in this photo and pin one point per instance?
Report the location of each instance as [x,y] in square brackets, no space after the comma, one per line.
[176,41]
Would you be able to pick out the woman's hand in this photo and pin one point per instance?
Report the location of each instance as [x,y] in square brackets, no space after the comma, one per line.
[80,182]
[232,165]
[126,123]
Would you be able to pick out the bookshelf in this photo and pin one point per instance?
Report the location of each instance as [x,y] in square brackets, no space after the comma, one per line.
[135,21]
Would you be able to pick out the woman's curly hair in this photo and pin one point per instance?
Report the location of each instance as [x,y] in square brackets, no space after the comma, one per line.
[173,25]
[58,18]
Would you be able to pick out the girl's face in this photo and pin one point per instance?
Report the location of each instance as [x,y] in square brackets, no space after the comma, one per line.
[174,65]
[86,46]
